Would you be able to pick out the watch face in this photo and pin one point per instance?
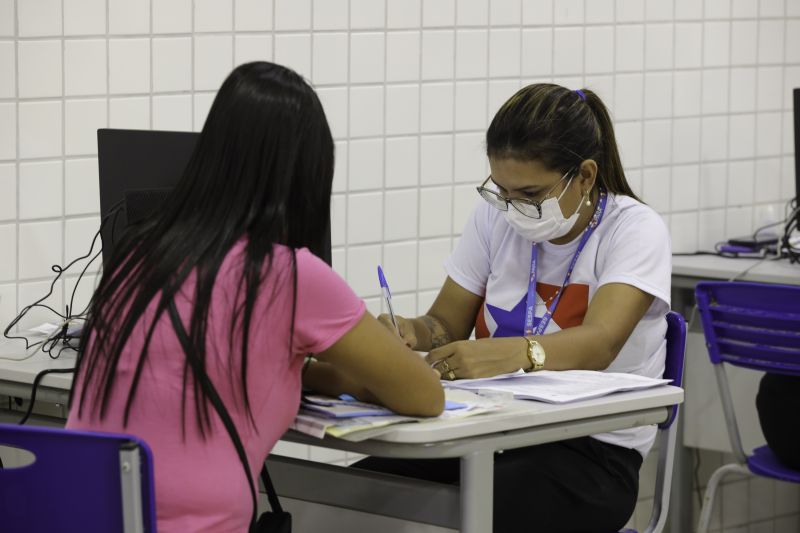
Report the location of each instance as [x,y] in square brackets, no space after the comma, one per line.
[538,354]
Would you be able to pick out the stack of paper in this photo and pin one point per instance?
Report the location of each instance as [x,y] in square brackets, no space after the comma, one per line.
[559,386]
[353,420]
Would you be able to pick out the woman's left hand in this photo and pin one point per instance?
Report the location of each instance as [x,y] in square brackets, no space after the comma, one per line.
[480,358]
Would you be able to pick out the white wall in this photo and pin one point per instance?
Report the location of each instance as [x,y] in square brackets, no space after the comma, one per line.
[700,93]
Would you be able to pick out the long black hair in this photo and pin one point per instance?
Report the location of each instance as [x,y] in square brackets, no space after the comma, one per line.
[261,171]
[560,128]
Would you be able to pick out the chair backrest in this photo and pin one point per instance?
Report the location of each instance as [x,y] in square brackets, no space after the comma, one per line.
[79,481]
[673,364]
[753,325]
[673,370]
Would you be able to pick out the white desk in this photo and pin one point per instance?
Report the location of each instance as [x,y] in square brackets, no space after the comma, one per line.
[16,377]
[474,440]
[687,270]
[703,423]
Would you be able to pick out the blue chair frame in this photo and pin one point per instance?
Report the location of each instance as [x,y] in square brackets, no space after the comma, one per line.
[667,430]
[755,326]
[79,482]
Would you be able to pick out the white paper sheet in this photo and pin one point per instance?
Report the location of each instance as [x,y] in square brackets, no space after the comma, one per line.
[560,386]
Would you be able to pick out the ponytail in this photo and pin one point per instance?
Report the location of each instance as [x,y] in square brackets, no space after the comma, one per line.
[559,128]
[612,175]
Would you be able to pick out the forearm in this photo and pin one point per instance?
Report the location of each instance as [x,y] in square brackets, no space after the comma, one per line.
[613,314]
[325,378]
[430,332]
[584,347]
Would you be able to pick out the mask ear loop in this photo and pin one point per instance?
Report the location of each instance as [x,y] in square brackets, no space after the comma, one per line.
[565,189]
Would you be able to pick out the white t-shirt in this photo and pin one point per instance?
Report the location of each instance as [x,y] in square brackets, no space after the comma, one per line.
[631,245]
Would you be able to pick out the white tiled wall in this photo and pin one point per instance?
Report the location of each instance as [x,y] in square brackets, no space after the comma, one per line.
[700,92]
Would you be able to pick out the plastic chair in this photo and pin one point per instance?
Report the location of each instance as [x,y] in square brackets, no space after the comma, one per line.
[79,482]
[667,430]
[756,326]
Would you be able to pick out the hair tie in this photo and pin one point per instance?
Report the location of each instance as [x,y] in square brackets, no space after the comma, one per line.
[581,94]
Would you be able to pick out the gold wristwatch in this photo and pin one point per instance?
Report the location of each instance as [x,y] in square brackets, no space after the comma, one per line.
[536,355]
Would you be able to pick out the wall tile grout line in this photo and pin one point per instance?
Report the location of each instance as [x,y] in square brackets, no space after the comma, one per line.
[778,155]
[192,72]
[134,35]
[63,257]
[333,85]
[700,129]
[383,222]
[728,143]
[754,222]
[418,196]
[346,214]
[149,37]
[18,155]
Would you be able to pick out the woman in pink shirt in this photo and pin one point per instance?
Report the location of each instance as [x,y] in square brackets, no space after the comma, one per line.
[234,249]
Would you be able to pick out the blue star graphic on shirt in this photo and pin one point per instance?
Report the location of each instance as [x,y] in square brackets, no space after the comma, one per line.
[510,323]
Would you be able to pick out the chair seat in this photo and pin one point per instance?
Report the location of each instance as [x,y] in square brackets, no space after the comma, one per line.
[764,463]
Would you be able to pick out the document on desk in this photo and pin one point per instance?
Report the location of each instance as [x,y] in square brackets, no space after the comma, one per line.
[559,386]
[355,421]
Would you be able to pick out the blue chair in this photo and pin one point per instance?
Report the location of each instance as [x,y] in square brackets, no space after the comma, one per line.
[667,430]
[755,326]
[79,482]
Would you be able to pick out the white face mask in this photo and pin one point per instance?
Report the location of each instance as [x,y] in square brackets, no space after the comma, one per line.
[551,225]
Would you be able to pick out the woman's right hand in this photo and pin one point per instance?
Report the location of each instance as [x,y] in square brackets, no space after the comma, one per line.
[371,364]
[405,326]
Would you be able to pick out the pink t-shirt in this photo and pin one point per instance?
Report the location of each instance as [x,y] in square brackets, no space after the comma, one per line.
[200,484]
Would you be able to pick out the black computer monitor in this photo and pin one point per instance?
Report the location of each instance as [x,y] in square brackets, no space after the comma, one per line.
[138,168]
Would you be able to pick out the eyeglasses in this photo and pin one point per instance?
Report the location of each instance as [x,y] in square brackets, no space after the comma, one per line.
[527,206]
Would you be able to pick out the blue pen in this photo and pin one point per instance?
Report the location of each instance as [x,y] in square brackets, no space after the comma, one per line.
[388,297]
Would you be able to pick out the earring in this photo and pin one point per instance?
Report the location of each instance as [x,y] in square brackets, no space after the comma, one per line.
[588,201]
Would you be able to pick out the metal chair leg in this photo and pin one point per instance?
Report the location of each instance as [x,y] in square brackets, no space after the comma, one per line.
[711,490]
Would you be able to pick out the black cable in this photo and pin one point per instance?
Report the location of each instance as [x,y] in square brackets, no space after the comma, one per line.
[699,252]
[36,381]
[78,281]
[783,249]
[61,341]
[791,251]
[773,224]
[51,342]
[766,226]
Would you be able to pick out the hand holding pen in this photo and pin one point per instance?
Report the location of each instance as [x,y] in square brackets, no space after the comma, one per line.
[402,326]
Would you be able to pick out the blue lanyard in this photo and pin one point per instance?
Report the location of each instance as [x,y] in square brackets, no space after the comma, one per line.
[530,302]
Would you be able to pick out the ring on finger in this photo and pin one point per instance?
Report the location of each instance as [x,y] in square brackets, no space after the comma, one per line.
[451,375]
[444,366]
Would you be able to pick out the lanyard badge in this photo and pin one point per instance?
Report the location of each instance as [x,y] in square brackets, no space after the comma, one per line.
[530,302]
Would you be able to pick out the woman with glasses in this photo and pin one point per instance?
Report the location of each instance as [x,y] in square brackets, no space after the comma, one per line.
[560,266]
